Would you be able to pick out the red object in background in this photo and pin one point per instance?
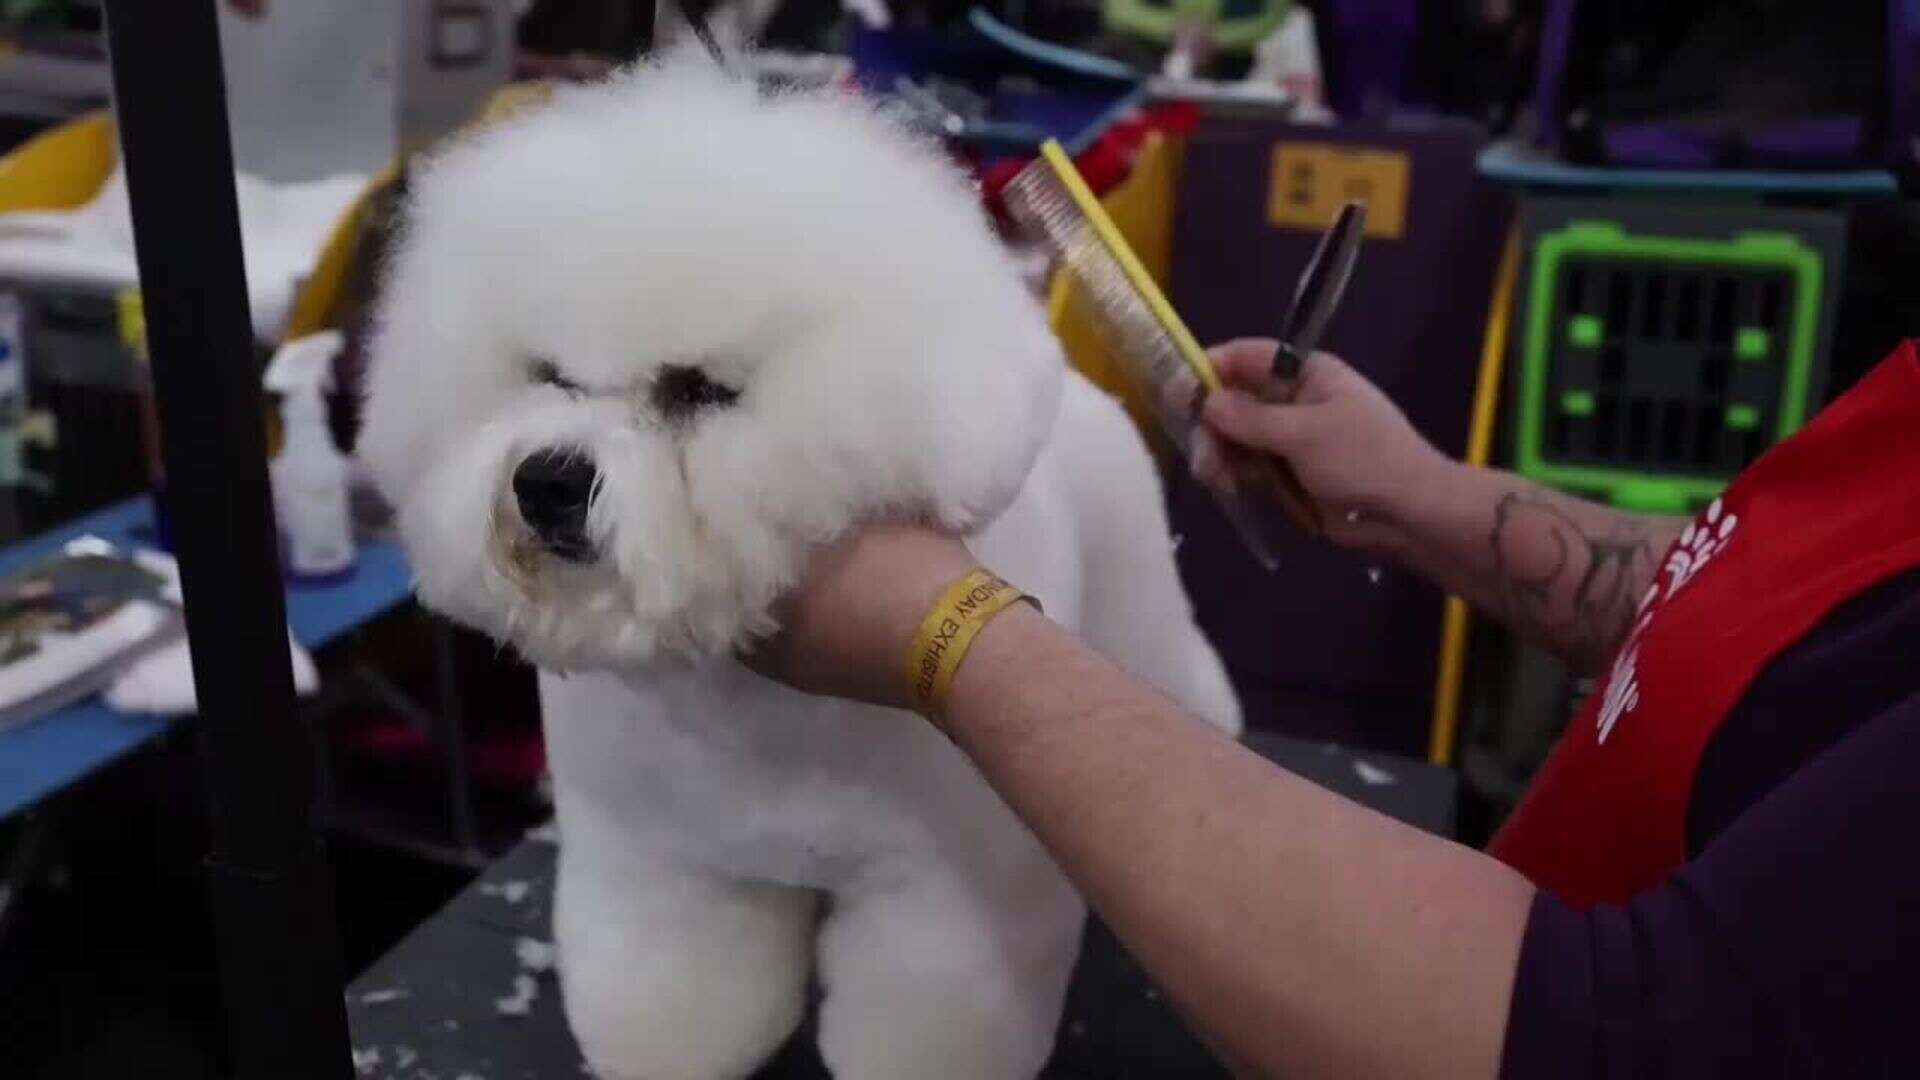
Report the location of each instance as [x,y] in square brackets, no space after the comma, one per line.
[251,8]
[510,760]
[1106,163]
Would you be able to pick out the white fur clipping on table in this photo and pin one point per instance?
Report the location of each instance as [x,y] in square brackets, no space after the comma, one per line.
[742,323]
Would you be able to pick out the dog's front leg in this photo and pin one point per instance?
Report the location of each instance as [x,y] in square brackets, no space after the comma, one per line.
[940,978]
[670,974]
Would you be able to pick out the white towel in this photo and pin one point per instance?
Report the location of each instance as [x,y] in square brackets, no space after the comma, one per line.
[161,682]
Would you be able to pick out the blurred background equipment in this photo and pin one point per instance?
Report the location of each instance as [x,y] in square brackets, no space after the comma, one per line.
[1766,84]
[318,87]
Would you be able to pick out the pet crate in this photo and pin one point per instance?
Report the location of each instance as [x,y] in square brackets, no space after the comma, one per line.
[1662,350]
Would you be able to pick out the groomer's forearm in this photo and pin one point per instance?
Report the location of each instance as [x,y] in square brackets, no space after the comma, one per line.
[1560,571]
[1306,935]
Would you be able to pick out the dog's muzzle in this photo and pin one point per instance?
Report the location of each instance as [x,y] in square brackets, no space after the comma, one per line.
[554,488]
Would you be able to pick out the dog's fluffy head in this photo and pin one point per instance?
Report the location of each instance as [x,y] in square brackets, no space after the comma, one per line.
[761,318]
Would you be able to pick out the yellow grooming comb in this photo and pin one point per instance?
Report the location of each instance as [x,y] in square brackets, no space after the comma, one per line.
[1031,188]
[1154,346]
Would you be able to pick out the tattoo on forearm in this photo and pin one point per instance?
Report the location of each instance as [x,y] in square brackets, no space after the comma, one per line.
[1577,586]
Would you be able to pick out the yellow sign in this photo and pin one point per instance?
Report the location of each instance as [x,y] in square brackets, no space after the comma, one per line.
[1310,181]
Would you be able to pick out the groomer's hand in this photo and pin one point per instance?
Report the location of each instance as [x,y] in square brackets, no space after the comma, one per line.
[1351,447]
[845,628]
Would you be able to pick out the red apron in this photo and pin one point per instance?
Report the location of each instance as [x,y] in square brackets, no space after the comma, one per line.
[1823,516]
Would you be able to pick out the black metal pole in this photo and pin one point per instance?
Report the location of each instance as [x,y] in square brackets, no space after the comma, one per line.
[269,890]
[640,31]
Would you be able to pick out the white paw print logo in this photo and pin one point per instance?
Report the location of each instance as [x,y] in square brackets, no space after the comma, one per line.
[1623,681]
[1702,540]
[1623,690]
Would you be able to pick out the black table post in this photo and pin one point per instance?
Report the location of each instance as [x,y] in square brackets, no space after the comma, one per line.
[269,890]
[640,31]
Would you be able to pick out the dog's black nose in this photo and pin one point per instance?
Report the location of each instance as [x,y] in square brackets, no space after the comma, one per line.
[554,488]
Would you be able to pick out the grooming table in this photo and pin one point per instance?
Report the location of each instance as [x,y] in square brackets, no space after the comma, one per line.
[457,999]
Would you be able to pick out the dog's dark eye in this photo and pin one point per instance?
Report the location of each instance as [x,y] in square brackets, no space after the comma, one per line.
[547,373]
[680,392]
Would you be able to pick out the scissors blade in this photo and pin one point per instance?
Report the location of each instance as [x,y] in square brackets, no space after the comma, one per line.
[1321,286]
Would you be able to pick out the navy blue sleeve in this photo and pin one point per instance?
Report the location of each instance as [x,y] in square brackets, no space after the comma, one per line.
[1856,664]
[1790,946]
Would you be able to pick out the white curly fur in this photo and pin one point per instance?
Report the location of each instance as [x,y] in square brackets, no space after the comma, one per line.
[839,275]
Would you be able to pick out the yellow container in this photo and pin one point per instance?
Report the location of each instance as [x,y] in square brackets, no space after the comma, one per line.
[61,168]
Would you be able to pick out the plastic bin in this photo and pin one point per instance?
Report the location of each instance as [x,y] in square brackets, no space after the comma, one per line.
[1662,350]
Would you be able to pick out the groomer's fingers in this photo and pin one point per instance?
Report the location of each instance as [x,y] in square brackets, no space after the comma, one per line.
[1247,364]
[1325,377]
[1244,362]
[1245,420]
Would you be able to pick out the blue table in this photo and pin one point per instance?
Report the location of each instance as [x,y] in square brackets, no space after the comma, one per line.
[43,756]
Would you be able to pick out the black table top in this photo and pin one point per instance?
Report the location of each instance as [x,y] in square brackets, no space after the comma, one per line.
[467,997]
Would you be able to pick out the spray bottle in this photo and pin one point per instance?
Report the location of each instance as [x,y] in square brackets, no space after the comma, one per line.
[310,476]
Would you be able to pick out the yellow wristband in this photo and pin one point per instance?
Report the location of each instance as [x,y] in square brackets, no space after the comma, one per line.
[963,609]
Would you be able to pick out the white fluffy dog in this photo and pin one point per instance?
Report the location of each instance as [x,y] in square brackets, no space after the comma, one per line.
[642,349]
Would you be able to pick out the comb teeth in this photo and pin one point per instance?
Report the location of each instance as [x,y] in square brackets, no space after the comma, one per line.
[1137,338]
[1037,199]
